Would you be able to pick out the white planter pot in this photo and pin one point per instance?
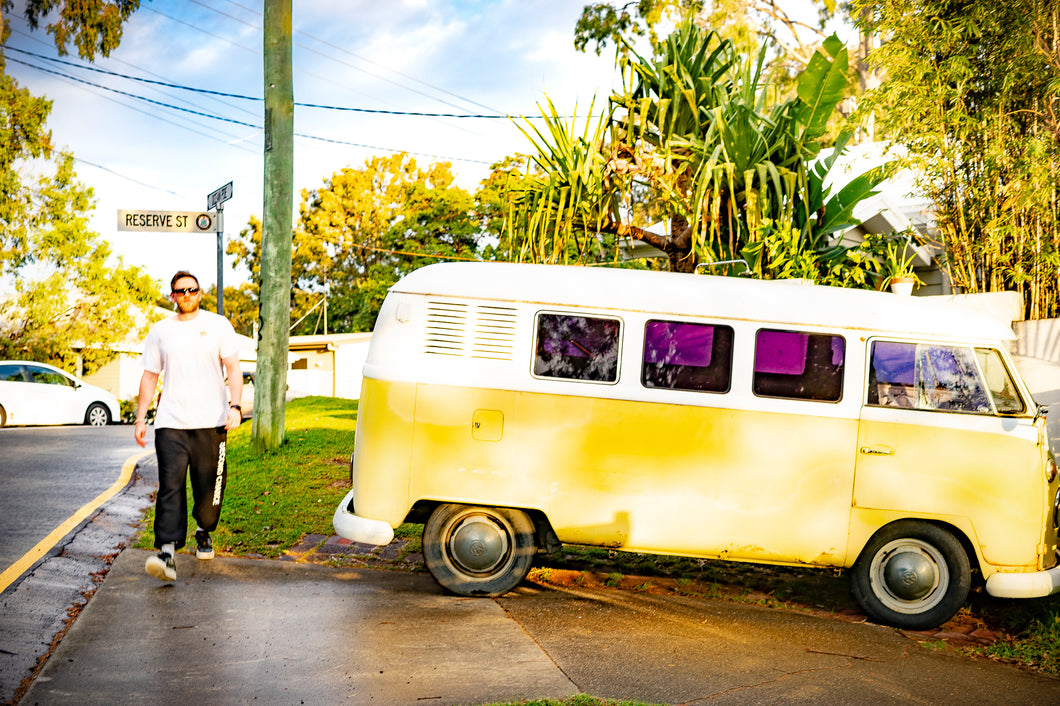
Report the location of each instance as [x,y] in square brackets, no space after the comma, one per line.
[902,286]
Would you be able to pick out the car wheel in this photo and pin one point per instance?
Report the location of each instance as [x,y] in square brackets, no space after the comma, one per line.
[97,415]
[3,417]
[912,575]
[478,551]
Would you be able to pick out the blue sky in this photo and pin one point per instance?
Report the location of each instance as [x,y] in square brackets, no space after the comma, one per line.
[478,57]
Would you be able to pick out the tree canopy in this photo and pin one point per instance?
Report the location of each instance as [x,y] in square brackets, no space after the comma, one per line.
[970,90]
[69,302]
[748,23]
[60,287]
[361,231]
[696,132]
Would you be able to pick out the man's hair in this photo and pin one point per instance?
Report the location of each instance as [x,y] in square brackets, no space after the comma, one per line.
[182,273]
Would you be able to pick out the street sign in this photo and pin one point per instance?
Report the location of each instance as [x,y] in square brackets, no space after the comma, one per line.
[171,221]
[219,197]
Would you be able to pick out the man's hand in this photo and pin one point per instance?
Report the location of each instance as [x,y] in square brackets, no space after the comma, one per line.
[140,432]
[234,419]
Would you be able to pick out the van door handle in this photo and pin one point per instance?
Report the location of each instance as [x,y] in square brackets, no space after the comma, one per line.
[876,450]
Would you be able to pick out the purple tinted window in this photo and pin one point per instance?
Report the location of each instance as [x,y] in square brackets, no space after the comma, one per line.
[577,347]
[781,352]
[894,362]
[796,365]
[687,356]
[678,344]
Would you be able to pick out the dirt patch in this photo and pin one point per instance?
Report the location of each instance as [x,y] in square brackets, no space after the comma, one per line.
[817,592]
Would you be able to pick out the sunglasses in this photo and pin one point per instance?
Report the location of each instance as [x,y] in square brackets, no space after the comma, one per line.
[186,290]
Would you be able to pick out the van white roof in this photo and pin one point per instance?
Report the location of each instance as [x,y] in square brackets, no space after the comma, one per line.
[667,293]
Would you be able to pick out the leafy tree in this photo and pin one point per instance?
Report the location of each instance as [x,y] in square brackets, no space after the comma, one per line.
[94,27]
[60,287]
[970,91]
[748,23]
[692,131]
[604,23]
[364,229]
[241,306]
[69,303]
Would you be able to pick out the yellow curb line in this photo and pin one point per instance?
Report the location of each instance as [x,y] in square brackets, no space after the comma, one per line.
[45,545]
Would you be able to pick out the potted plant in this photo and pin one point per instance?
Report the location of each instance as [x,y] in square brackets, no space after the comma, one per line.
[894,264]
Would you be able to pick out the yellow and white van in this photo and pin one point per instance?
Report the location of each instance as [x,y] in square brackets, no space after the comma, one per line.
[513,408]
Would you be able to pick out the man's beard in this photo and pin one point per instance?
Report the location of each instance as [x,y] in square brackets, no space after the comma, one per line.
[187,307]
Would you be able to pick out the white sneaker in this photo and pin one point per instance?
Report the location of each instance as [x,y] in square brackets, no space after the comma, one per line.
[163,567]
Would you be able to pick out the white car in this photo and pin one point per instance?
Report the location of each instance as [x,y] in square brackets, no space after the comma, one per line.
[36,393]
[248,395]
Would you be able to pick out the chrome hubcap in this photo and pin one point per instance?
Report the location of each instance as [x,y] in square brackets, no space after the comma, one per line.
[909,576]
[478,545]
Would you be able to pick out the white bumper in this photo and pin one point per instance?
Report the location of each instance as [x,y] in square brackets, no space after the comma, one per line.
[1032,585]
[360,529]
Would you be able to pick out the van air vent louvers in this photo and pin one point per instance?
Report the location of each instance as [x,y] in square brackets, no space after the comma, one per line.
[494,333]
[446,328]
[459,329]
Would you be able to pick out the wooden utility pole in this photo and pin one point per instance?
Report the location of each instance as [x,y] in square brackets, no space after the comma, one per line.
[277,224]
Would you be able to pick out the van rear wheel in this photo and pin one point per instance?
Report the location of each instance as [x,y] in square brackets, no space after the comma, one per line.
[912,575]
[478,551]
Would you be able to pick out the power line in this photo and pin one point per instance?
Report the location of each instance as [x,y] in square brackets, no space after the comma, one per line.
[355,56]
[419,114]
[233,120]
[122,176]
[212,135]
[132,95]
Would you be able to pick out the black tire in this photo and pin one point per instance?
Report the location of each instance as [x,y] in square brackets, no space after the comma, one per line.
[478,551]
[97,415]
[912,575]
[3,417]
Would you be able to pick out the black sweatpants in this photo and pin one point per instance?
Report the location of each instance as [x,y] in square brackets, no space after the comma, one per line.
[202,453]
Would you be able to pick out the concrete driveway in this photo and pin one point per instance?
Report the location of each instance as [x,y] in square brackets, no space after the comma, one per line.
[280,632]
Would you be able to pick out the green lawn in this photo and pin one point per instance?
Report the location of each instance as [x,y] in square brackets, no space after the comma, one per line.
[273,501]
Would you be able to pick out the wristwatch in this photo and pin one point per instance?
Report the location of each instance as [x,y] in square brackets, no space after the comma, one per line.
[235,406]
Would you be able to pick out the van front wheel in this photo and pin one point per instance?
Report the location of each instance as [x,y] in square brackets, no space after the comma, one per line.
[478,551]
[912,575]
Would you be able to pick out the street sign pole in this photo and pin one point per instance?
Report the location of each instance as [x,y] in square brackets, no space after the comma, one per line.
[217,199]
[220,269]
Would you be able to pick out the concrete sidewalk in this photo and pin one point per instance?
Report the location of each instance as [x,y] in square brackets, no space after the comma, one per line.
[242,630]
[277,632]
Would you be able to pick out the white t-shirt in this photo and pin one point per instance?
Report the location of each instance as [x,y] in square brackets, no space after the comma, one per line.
[189,354]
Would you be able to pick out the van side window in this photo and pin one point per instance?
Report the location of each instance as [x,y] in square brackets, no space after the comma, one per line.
[926,376]
[687,356]
[577,347]
[795,365]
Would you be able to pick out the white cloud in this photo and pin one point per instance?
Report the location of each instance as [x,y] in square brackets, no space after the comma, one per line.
[441,56]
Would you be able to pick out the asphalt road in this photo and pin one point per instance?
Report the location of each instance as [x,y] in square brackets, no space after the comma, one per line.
[55,545]
[48,473]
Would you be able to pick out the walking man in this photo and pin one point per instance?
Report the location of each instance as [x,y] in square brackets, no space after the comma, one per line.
[193,351]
